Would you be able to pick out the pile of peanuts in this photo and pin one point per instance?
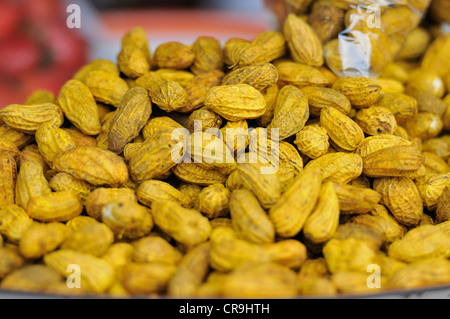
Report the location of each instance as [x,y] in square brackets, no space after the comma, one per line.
[250,169]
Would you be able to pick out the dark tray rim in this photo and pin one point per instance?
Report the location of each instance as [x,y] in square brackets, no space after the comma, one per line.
[387,294]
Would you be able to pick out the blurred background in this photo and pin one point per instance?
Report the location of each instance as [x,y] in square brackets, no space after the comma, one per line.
[39,51]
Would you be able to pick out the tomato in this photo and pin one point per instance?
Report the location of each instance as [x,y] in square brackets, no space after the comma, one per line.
[19,55]
[43,12]
[67,48]
[37,49]
[10,16]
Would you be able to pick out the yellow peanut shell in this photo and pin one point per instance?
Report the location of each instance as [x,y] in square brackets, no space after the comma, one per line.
[134,57]
[151,190]
[27,118]
[126,218]
[187,226]
[402,197]
[419,274]
[96,274]
[54,207]
[298,74]
[208,55]
[322,223]
[196,174]
[249,220]
[213,201]
[8,175]
[52,141]
[420,243]
[348,255]
[313,141]
[295,205]
[153,248]
[79,107]
[344,133]
[10,260]
[30,182]
[106,87]
[236,102]
[360,232]
[191,272]
[14,222]
[146,278]
[258,76]
[157,155]
[355,200]
[16,137]
[303,44]
[168,95]
[265,186]
[361,92]
[321,97]
[341,167]
[119,255]
[32,279]
[291,112]
[273,43]
[254,281]
[379,163]
[383,223]
[93,165]
[173,55]
[229,252]
[42,238]
[101,196]
[130,117]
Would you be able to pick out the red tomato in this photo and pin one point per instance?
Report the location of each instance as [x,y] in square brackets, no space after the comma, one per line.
[19,55]
[37,49]
[10,15]
[67,48]
[42,12]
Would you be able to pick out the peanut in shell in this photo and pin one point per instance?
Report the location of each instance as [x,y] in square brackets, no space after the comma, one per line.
[380,164]
[130,117]
[54,207]
[187,226]
[249,220]
[401,196]
[134,57]
[27,118]
[345,133]
[93,165]
[361,92]
[236,102]
[79,107]
[295,205]
[421,243]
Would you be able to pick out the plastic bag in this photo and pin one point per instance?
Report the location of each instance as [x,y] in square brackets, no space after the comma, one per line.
[359,37]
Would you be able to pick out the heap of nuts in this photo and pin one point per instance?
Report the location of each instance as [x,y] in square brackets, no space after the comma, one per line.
[247,169]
